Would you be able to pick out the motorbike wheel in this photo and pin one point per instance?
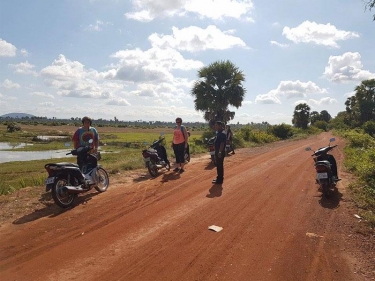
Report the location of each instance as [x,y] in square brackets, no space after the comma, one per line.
[60,195]
[102,180]
[187,157]
[327,192]
[168,166]
[153,169]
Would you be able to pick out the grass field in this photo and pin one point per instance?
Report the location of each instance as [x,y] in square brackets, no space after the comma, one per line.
[122,147]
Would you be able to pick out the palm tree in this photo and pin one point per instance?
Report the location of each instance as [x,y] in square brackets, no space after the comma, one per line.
[219,85]
[301,116]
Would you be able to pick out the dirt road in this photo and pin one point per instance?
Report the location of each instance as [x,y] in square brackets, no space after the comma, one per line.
[276,226]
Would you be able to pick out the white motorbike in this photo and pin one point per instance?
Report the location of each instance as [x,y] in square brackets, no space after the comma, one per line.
[66,180]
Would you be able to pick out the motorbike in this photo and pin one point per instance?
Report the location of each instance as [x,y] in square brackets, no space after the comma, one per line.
[67,180]
[227,147]
[326,169]
[155,157]
[187,155]
[211,149]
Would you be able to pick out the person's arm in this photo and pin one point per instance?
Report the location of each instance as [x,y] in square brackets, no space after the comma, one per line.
[96,140]
[75,140]
[222,146]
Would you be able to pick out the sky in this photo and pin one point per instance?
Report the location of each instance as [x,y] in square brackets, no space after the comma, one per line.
[138,59]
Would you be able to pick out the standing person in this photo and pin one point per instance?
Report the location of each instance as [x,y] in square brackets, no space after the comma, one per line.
[82,136]
[220,141]
[179,144]
[230,138]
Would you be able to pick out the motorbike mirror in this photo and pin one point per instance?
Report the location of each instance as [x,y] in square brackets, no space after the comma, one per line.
[67,144]
[307,149]
[162,134]
[332,139]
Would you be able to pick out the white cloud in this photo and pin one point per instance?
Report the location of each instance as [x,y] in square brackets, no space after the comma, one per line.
[119,102]
[288,90]
[8,84]
[23,68]
[279,44]
[98,26]
[7,49]
[24,53]
[47,104]
[320,34]
[247,102]
[220,9]
[146,10]
[317,103]
[350,94]
[73,80]
[345,68]
[154,64]
[194,39]
[42,94]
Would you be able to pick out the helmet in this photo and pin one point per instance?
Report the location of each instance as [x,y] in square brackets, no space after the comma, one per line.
[87,118]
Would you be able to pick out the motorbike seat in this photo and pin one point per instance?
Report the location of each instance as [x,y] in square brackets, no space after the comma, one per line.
[62,164]
[323,163]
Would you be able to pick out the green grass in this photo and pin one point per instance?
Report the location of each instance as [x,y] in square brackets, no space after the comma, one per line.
[360,161]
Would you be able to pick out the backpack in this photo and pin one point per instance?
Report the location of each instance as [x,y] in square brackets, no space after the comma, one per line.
[182,127]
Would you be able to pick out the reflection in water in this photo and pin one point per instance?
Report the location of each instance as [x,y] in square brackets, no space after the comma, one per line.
[9,156]
[8,145]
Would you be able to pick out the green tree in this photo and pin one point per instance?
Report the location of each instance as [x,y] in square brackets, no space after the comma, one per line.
[219,85]
[301,116]
[361,106]
[341,121]
[369,5]
[323,125]
[325,116]
[314,117]
[282,131]
[369,128]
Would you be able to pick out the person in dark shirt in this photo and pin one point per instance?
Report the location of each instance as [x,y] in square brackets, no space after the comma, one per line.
[220,142]
[230,138]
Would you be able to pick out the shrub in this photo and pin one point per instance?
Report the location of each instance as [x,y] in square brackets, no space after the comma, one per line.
[369,128]
[321,125]
[283,131]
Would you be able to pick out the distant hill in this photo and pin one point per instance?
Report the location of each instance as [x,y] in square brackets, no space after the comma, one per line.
[16,115]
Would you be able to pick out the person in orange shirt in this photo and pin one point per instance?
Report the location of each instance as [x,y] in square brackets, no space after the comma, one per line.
[179,144]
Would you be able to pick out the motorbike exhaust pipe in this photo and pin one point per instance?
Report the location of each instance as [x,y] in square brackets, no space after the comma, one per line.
[74,189]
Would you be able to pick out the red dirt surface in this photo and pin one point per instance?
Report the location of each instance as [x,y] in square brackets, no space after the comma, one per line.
[276,225]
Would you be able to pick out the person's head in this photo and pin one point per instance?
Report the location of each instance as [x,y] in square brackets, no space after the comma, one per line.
[86,120]
[178,121]
[218,126]
[227,127]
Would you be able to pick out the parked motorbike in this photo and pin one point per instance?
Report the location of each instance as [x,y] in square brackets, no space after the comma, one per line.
[187,154]
[211,149]
[326,169]
[67,180]
[155,157]
[227,147]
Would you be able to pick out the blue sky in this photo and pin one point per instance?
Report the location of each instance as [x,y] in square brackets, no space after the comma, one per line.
[138,60]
